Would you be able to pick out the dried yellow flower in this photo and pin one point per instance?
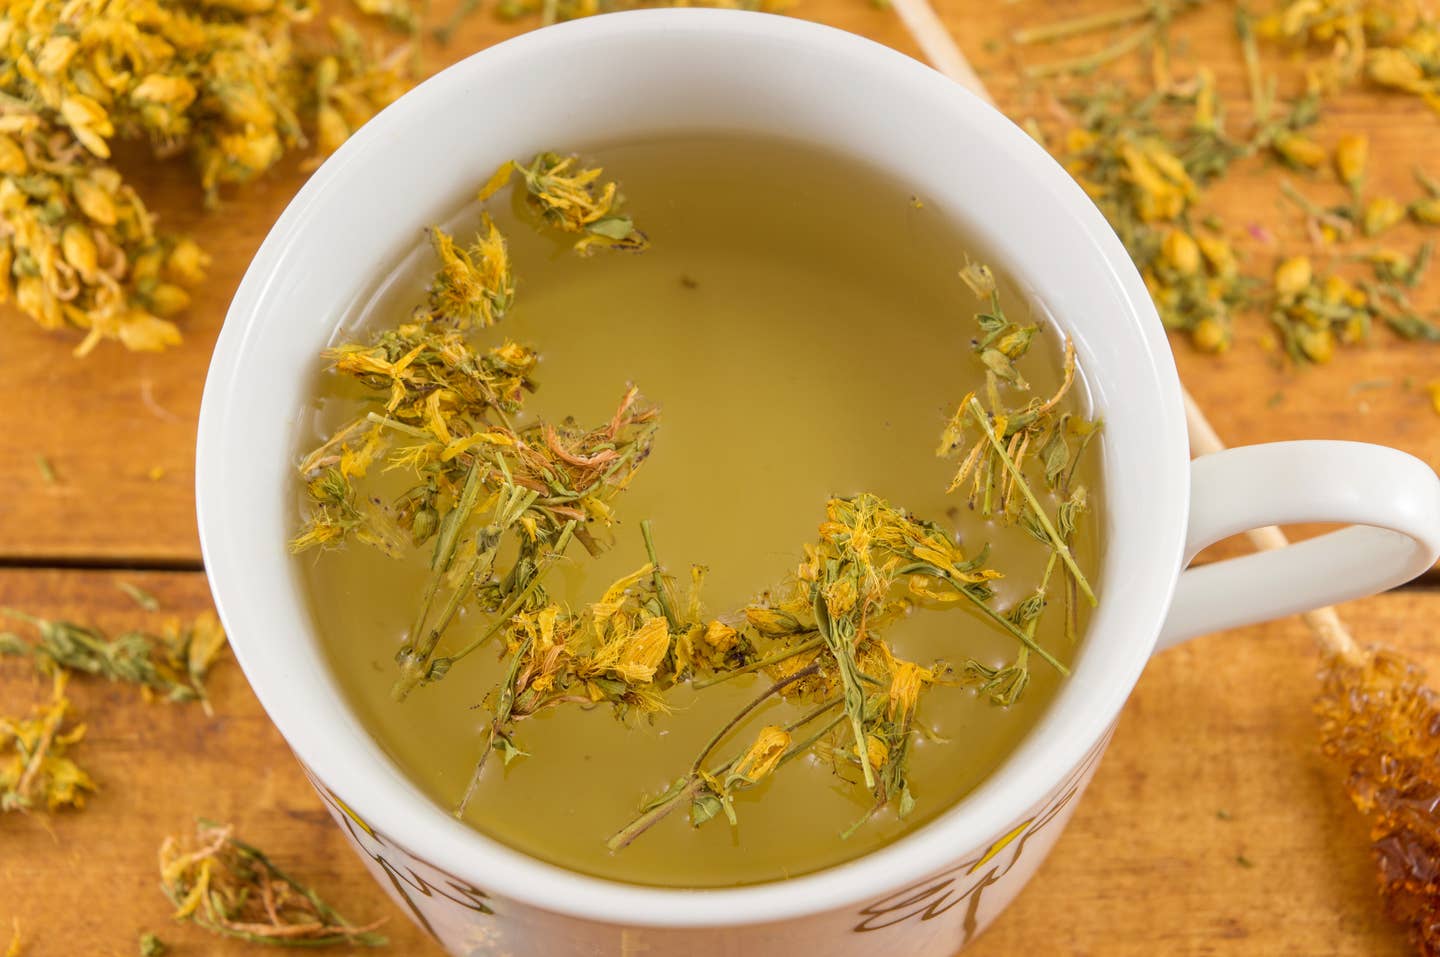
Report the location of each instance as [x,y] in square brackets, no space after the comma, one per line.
[1393,68]
[763,756]
[36,770]
[473,285]
[573,200]
[1181,252]
[224,83]
[1299,150]
[1434,389]
[1381,213]
[1211,335]
[1426,210]
[1292,276]
[1352,153]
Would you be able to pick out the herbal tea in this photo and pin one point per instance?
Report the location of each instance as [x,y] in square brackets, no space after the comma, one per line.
[705,536]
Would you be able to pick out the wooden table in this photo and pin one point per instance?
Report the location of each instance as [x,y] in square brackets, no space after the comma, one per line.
[1213,826]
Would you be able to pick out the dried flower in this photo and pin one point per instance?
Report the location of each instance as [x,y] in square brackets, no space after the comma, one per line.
[226,85]
[574,201]
[35,771]
[174,662]
[1352,153]
[233,890]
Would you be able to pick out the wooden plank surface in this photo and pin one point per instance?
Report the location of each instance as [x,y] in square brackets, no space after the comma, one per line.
[1148,865]
[112,423]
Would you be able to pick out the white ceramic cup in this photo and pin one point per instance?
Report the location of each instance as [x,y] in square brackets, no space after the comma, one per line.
[627,76]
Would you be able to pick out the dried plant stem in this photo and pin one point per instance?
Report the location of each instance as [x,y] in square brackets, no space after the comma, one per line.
[1090,61]
[1061,29]
[694,783]
[745,712]
[763,663]
[660,591]
[1057,541]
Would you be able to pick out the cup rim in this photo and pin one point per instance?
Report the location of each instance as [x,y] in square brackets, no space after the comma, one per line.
[329,750]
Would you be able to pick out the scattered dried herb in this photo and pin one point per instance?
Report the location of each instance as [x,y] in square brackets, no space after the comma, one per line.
[47,470]
[139,595]
[231,87]
[233,890]
[173,662]
[152,946]
[1148,159]
[35,770]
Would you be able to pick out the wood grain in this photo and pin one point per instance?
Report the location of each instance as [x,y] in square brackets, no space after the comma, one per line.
[118,428]
[1148,865]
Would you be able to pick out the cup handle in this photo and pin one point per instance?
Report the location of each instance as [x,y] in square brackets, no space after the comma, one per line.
[1391,499]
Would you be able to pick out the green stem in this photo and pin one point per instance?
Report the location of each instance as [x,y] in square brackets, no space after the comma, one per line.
[985,609]
[399,426]
[1250,50]
[503,705]
[734,722]
[759,665]
[694,784]
[1114,51]
[660,594]
[520,599]
[1056,541]
[1086,24]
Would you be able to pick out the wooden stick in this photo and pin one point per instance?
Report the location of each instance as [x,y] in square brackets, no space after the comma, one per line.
[944,54]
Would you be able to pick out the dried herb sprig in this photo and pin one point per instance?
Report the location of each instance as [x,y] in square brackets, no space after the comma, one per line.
[440,411]
[173,662]
[35,769]
[993,463]
[820,640]
[618,651]
[234,890]
[573,200]
[230,86]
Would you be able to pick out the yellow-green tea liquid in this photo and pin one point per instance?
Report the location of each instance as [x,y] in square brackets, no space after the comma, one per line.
[800,322]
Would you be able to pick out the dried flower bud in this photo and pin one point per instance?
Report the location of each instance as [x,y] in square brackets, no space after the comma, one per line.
[1181,252]
[1352,153]
[186,263]
[763,756]
[1292,277]
[12,157]
[89,122]
[1211,335]
[78,247]
[1317,344]
[1381,213]
[1393,68]
[1298,150]
[168,299]
[32,297]
[95,201]
[175,92]
[1426,210]
[1219,254]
